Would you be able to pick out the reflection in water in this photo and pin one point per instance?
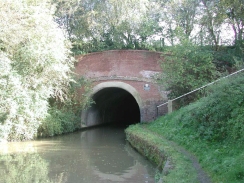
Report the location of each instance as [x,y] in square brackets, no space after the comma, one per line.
[95,155]
[23,168]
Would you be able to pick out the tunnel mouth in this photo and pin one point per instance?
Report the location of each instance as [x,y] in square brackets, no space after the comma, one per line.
[115,106]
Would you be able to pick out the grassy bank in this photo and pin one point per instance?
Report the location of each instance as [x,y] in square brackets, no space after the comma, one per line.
[211,128]
[172,165]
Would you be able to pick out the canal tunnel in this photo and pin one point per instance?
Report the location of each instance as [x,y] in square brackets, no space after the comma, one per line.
[114,105]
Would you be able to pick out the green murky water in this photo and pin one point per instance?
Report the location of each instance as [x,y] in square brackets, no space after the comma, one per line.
[99,155]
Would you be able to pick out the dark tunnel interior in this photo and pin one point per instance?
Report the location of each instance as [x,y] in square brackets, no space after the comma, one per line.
[117,106]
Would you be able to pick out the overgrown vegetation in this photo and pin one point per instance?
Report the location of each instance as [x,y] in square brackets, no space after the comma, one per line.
[64,115]
[186,67]
[211,128]
[35,65]
[222,119]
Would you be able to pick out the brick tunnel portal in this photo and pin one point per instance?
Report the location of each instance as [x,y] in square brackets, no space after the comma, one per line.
[124,86]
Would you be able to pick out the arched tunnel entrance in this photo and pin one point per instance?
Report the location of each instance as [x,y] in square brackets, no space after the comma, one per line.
[113,105]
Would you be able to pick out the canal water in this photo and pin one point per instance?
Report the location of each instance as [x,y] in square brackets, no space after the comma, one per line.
[98,155]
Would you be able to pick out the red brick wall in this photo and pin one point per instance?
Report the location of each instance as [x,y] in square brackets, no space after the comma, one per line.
[128,66]
[118,63]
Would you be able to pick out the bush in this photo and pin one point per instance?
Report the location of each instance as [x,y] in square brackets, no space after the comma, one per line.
[58,122]
[186,67]
[35,64]
[64,116]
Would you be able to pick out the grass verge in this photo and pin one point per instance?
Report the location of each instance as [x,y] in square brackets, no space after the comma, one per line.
[172,164]
[212,129]
[222,160]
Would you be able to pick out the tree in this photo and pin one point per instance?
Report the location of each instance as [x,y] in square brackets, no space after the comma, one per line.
[211,21]
[186,67]
[234,10]
[100,25]
[35,64]
[235,18]
[183,17]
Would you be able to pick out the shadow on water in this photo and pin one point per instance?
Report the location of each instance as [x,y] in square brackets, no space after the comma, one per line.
[95,155]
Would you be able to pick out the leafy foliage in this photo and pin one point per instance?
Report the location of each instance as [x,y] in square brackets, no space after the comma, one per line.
[58,122]
[96,25]
[35,64]
[219,116]
[235,16]
[185,68]
[64,116]
[228,58]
